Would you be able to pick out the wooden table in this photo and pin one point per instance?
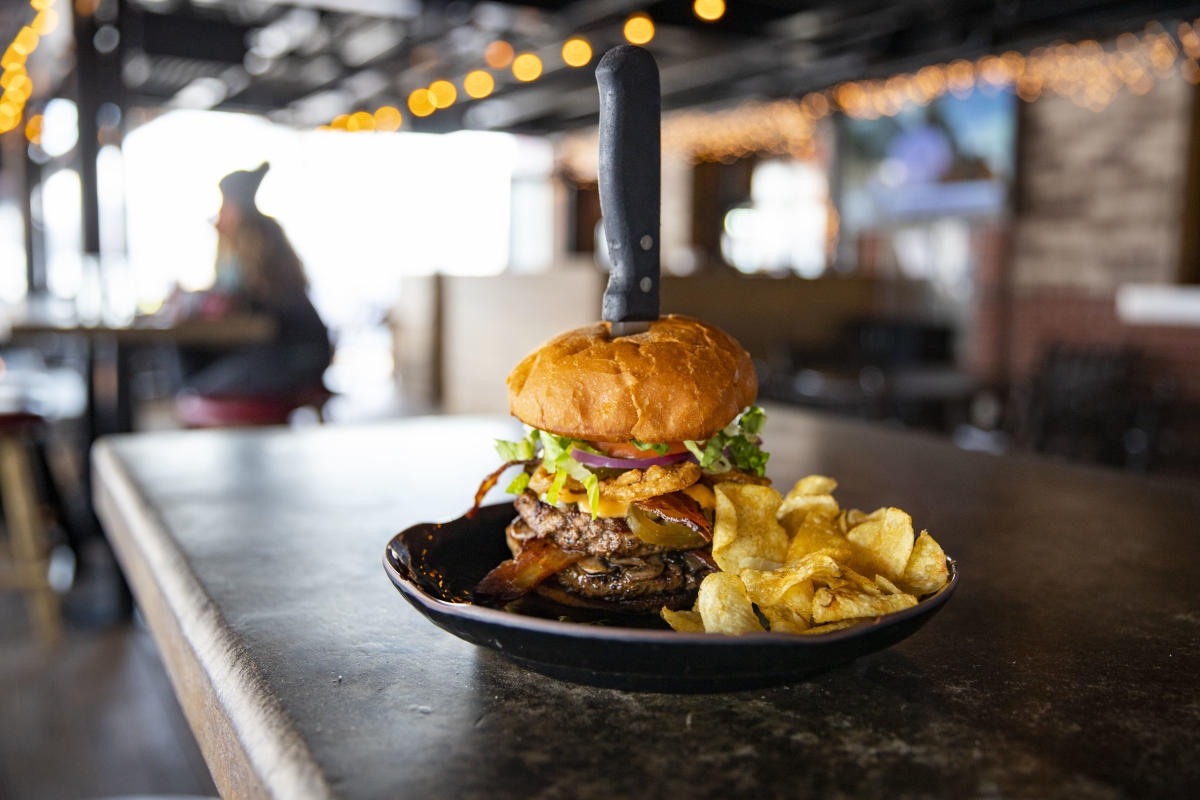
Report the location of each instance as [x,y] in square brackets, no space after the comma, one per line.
[115,341]
[228,331]
[1066,665]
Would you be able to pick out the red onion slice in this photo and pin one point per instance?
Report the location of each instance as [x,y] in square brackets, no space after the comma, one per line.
[596,460]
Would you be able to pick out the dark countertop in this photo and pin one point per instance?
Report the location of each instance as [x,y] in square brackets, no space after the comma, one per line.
[1066,665]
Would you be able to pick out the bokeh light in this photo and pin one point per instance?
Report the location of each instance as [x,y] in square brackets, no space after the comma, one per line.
[444,93]
[577,52]
[45,22]
[422,102]
[639,29]
[388,119]
[10,115]
[498,54]
[11,74]
[19,88]
[360,121]
[709,10]
[527,67]
[12,58]
[33,129]
[478,83]
[26,41]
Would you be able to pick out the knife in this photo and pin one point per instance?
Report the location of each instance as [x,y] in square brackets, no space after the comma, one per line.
[630,178]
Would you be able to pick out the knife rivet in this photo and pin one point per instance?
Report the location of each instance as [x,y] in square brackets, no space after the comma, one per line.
[647,242]
[646,284]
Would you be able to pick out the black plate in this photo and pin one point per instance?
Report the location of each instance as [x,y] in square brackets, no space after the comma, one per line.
[436,565]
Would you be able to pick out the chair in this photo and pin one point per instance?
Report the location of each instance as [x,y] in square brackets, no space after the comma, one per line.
[27,570]
[1087,403]
[226,411]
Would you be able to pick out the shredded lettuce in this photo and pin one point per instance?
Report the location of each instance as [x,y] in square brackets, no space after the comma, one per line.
[556,460]
[752,421]
[556,486]
[518,483]
[522,450]
[737,446]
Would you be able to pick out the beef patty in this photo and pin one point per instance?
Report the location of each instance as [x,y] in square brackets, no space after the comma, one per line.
[578,532]
[619,568]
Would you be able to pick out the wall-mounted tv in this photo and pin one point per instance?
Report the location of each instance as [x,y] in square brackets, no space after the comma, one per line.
[952,157]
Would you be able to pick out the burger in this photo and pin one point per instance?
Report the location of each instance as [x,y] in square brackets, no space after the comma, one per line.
[625,438]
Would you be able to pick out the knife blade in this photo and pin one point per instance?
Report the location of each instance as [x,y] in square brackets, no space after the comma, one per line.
[630,185]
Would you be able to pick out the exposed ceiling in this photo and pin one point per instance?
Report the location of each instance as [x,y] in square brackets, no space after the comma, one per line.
[304,61]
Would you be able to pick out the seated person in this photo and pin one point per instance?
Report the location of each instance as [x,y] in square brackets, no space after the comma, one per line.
[259,272]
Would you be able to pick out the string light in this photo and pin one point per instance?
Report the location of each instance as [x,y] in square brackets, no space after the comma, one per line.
[388,119]
[360,121]
[444,93]
[576,52]
[11,75]
[478,83]
[422,102]
[16,83]
[639,29]
[498,54]
[1087,73]
[527,67]
[19,89]
[709,10]
[26,41]
[45,22]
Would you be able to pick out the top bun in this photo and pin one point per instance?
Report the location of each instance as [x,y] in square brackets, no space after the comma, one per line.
[682,379]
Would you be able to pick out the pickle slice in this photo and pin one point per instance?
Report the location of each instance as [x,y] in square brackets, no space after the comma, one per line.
[664,534]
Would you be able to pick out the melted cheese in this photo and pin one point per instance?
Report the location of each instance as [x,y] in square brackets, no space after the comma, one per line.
[702,495]
[611,507]
[606,507]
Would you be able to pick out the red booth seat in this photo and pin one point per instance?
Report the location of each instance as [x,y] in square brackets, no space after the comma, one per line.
[222,411]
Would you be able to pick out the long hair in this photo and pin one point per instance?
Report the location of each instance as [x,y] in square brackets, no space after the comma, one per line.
[270,272]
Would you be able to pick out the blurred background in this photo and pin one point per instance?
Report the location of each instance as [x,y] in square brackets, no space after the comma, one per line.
[980,219]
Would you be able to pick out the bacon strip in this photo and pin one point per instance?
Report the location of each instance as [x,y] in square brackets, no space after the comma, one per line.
[538,560]
[706,556]
[679,508]
[490,481]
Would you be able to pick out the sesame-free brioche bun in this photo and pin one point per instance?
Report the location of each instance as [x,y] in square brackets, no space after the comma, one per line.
[682,379]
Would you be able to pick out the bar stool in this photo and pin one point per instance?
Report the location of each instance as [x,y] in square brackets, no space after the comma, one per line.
[222,411]
[27,570]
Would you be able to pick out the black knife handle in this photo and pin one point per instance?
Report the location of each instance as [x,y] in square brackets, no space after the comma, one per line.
[630,180]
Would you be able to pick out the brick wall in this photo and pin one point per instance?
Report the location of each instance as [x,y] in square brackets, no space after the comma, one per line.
[1100,203]
[1044,316]
[1100,194]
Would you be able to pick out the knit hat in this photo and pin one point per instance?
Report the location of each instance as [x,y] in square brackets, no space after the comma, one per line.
[240,187]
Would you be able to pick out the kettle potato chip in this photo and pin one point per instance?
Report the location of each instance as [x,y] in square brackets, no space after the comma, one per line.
[811,494]
[745,530]
[817,532]
[886,538]
[767,587]
[801,563]
[830,627]
[848,602]
[683,621]
[724,606]
[926,570]
[794,615]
